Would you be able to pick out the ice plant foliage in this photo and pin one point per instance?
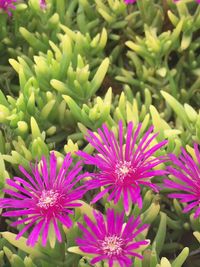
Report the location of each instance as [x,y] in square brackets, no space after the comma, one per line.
[187,183]
[44,198]
[109,239]
[125,164]
[6,5]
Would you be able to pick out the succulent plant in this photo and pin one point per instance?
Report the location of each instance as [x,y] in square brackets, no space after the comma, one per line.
[70,67]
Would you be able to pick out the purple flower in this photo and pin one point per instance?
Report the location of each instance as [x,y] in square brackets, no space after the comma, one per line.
[43,4]
[123,166]
[129,1]
[44,198]
[187,183]
[134,1]
[198,1]
[6,5]
[110,239]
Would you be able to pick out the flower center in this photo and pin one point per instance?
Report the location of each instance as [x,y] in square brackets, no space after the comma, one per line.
[48,199]
[112,245]
[123,169]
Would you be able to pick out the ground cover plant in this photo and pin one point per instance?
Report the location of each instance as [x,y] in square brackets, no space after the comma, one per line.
[99,133]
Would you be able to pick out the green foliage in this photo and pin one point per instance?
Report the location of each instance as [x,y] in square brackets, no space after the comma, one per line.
[81,63]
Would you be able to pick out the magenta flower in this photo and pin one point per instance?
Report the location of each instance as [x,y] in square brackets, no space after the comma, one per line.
[6,5]
[134,1]
[129,1]
[198,1]
[43,4]
[44,198]
[123,166]
[110,239]
[187,183]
